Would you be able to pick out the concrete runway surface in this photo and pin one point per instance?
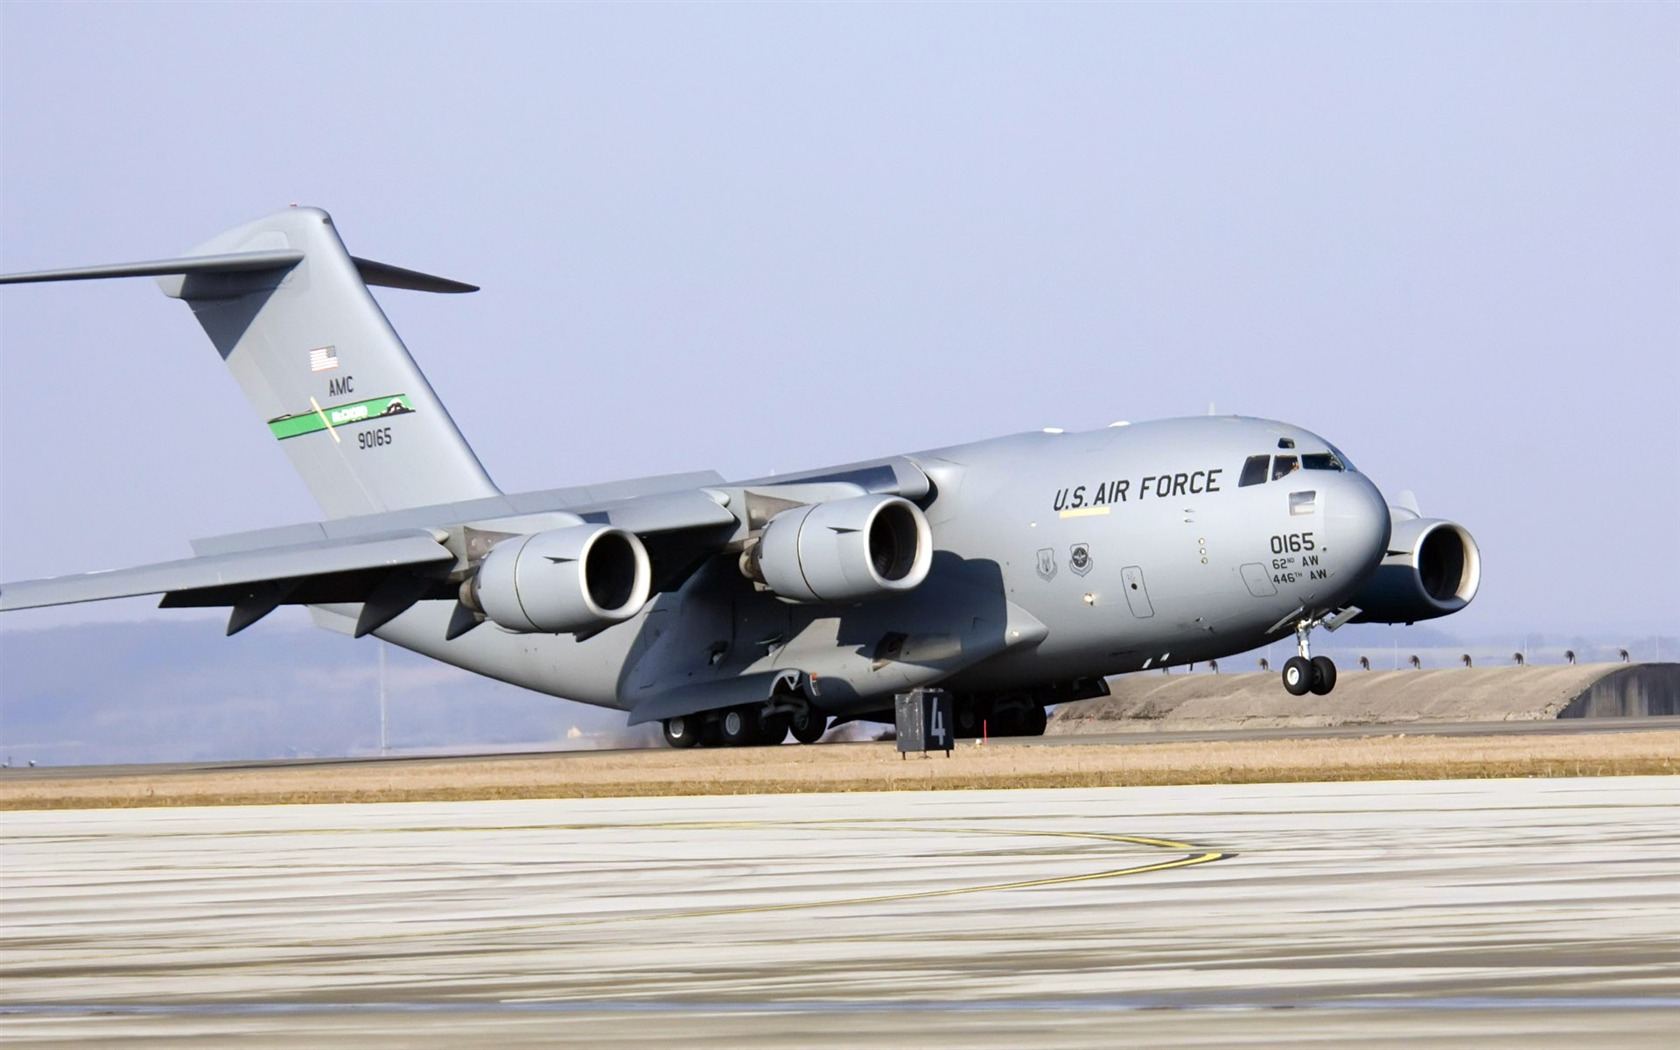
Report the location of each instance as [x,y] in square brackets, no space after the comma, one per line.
[1535,913]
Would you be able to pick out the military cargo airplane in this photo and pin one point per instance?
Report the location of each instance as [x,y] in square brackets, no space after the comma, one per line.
[1016,572]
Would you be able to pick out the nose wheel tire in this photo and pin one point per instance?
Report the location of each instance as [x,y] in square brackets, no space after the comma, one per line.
[1323,675]
[1297,676]
[682,732]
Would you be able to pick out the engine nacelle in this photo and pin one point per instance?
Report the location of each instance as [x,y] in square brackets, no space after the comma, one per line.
[1433,568]
[844,550]
[563,580]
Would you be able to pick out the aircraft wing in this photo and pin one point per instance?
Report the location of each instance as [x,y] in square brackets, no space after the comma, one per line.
[247,578]
[389,561]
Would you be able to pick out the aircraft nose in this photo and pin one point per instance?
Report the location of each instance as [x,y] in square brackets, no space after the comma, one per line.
[1356,517]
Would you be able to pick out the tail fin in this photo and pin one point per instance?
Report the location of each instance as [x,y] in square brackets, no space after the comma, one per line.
[288,309]
[323,367]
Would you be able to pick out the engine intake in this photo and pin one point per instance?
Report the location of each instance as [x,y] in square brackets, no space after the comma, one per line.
[1433,568]
[563,580]
[845,550]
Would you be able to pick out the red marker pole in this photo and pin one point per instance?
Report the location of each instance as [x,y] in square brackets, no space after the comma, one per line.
[984,736]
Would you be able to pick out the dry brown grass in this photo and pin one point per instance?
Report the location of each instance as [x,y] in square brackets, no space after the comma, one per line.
[863,767]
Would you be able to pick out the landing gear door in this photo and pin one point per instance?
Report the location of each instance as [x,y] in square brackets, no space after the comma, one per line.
[1137,595]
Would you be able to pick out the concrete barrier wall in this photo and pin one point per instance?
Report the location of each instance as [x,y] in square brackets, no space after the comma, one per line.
[1148,702]
[1630,691]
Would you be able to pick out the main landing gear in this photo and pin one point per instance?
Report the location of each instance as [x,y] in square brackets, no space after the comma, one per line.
[1305,673]
[746,726]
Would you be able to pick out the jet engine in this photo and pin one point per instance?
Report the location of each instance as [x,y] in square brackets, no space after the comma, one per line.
[564,580]
[844,550]
[1432,568]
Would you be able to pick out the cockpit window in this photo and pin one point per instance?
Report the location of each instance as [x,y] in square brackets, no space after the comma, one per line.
[1286,442]
[1283,466]
[1341,457]
[1321,461]
[1254,471]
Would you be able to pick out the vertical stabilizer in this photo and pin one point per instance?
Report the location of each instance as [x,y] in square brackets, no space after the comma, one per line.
[325,371]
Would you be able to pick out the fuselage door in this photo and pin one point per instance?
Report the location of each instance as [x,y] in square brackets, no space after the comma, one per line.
[1259,581]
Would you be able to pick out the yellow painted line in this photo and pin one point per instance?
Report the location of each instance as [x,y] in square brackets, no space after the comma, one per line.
[1056,880]
[1197,856]
[1084,512]
[316,405]
[885,898]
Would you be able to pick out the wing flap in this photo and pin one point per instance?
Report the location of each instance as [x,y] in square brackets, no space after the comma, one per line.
[369,555]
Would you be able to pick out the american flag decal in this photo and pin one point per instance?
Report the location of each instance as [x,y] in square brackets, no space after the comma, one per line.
[323,358]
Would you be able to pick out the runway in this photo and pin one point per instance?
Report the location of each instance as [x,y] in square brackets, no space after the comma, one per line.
[1531,913]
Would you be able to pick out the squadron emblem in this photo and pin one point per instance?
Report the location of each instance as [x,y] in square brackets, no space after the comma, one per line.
[1079,559]
[1047,564]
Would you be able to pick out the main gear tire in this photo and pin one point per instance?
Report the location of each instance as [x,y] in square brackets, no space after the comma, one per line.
[1009,720]
[1297,676]
[809,725]
[682,731]
[1036,721]
[739,726]
[773,730]
[970,717]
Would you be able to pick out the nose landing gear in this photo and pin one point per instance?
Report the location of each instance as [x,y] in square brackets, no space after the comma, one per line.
[1305,673]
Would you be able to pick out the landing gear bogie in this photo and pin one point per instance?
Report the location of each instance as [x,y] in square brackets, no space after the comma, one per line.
[1018,714]
[744,726]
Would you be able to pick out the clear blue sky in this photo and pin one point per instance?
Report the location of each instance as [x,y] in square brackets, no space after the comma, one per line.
[759,238]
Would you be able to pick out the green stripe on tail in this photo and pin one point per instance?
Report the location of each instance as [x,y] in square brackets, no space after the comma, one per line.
[339,416]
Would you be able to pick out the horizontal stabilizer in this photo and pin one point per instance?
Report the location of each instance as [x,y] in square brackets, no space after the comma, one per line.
[234,262]
[376,274]
[384,275]
[225,570]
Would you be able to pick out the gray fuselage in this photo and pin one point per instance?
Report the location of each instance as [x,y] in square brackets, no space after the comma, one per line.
[1058,557]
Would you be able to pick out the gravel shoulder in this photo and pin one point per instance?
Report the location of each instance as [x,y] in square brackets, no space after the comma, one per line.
[852,767]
